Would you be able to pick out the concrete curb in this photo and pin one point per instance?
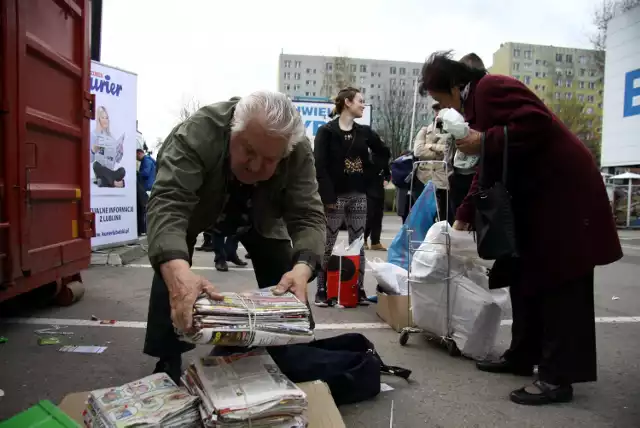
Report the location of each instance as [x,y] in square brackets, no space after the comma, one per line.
[120,256]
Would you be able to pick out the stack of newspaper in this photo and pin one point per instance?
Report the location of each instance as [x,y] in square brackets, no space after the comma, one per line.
[257,318]
[245,390]
[152,401]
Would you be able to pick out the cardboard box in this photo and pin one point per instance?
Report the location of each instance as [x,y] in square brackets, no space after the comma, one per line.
[322,412]
[394,310]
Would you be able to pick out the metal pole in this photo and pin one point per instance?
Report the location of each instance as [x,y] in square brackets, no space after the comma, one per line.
[629,204]
[413,114]
[96,29]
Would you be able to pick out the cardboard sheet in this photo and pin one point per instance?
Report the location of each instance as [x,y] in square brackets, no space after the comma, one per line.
[394,310]
[322,412]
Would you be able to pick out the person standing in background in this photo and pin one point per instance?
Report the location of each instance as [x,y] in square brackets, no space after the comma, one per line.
[341,152]
[226,250]
[378,177]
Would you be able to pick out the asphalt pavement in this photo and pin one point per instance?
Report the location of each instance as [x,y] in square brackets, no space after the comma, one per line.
[443,392]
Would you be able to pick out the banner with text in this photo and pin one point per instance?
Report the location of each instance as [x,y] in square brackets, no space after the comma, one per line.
[113,155]
[316,114]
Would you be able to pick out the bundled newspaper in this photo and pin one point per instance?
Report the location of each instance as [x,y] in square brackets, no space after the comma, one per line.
[245,390]
[153,401]
[257,318]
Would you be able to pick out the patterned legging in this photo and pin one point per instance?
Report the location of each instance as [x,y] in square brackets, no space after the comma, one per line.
[352,208]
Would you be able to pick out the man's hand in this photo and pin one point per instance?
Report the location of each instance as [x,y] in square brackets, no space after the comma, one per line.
[184,289]
[470,144]
[295,281]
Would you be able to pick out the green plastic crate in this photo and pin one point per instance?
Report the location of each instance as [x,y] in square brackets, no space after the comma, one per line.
[43,415]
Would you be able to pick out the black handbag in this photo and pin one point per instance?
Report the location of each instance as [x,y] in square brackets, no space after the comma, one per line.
[494,222]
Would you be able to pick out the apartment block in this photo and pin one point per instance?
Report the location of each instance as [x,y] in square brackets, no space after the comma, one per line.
[555,73]
[310,76]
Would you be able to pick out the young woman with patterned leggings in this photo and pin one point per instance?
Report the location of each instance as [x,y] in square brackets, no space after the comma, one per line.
[342,159]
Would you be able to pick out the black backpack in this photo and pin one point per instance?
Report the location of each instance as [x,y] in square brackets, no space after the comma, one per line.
[348,363]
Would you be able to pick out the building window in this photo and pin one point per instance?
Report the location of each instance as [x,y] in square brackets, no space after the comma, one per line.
[403,71]
[543,87]
[599,105]
[559,71]
[392,82]
[308,70]
[592,85]
[582,60]
[516,77]
[353,68]
[363,69]
[307,82]
[569,72]
[527,54]
[287,64]
[314,71]
[527,80]
[538,74]
[314,94]
[527,65]
[581,98]
[379,74]
[296,76]
[353,79]
[307,94]
[583,72]
[558,57]
[328,66]
[568,95]
[589,110]
[363,91]
[287,76]
[592,73]
[296,87]
[581,85]
[569,83]
[402,82]
[379,86]
[538,62]
[298,64]
[544,62]
[393,92]
[372,86]
[287,87]
[373,74]
[590,98]
[516,53]
[556,95]
[516,66]
[558,82]
[537,87]
[569,58]
[416,71]
[590,123]
[392,70]
[362,78]
[544,74]
[403,93]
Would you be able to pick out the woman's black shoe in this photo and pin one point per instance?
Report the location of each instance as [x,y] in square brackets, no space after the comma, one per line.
[236,261]
[504,366]
[548,394]
[222,266]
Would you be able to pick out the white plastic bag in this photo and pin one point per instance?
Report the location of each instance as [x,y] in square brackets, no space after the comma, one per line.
[392,279]
[342,250]
[454,124]
[475,312]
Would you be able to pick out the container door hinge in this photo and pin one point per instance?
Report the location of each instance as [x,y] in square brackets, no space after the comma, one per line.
[90,105]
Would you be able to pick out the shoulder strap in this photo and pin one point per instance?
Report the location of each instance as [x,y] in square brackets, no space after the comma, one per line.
[505,159]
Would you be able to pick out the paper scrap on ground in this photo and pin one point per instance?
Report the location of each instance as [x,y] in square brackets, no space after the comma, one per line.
[615,298]
[83,349]
[1,393]
[385,387]
[49,341]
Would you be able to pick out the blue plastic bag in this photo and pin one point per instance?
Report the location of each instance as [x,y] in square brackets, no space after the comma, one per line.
[420,219]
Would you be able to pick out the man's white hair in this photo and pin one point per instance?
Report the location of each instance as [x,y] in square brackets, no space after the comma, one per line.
[276,112]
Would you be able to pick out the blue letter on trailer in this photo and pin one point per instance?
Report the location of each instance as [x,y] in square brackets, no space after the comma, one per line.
[632,93]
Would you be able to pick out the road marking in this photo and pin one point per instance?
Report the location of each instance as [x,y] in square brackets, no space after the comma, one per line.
[142,324]
[335,326]
[631,247]
[235,269]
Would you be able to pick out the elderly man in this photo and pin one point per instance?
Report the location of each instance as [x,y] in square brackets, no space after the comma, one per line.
[245,167]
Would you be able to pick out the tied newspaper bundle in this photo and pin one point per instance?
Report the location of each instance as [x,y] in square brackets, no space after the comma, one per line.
[257,318]
[245,390]
[152,401]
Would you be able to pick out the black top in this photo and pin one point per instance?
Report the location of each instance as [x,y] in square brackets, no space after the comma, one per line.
[342,159]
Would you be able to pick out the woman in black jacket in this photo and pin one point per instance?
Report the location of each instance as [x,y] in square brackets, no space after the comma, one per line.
[341,151]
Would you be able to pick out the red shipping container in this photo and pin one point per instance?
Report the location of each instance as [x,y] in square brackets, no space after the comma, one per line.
[46,223]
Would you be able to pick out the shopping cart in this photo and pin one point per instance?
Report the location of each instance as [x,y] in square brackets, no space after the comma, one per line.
[444,338]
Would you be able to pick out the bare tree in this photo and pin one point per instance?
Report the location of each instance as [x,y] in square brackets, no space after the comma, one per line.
[601,18]
[339,73]
[393,118]
[574,114]
[190,107]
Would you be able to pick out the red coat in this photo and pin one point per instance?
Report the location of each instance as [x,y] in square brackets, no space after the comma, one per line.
[563,218]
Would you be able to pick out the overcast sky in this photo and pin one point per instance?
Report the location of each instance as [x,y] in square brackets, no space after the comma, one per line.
[215,49]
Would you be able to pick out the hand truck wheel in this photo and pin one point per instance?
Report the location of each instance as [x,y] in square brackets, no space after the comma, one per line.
[452,348]
[404,338]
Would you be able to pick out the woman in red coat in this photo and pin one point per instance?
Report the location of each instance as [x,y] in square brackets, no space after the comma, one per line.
[564,226]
